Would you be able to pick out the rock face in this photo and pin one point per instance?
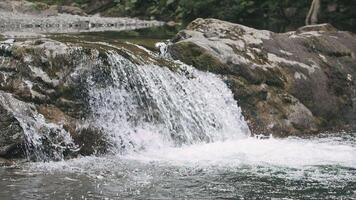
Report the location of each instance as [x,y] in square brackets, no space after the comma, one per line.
[44,99]
[292,83]
[46,95]
[11,132]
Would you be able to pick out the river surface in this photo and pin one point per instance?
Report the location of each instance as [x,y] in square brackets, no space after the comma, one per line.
[292,168]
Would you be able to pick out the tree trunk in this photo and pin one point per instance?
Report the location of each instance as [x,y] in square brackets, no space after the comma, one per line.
[312,17]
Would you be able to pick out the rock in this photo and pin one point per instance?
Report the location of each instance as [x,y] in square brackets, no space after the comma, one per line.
[317,28]
[22,6]
[11,132]
[45,99]
[172,23]
[291,83]
[96,6]
[92,141]
[71,10]
[6,163]
[24,132]
[43,91]
[28,25]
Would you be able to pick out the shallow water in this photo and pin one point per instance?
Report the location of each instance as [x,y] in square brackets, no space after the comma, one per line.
[293,168]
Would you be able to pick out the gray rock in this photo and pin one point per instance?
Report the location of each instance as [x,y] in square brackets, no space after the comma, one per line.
[44,97]
[291,83]
[42,92]
[11,132]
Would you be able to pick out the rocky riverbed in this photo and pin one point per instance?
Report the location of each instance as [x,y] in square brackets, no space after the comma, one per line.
[23,19]
[290,84]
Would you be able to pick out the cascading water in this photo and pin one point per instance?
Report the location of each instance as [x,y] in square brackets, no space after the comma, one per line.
[136,106]
[176,133]
[148,106]
[43,141]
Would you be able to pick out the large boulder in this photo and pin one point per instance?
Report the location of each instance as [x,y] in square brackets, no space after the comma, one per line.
[44,99]
[293,83]
[46,95]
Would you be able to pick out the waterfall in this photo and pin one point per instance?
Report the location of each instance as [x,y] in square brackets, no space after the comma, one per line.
[149,106]
[44,141]
[137,102]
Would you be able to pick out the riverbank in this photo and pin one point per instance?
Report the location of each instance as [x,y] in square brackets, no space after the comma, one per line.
[22,25]
[24,19]
[276,16]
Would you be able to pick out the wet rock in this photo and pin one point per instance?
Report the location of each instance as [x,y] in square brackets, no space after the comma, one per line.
[25,133]
[6,163]
[11,133]
[92,141]
[45,100]
[287,84]
[43,92]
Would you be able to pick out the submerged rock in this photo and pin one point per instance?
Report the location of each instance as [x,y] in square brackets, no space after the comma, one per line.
[291,83]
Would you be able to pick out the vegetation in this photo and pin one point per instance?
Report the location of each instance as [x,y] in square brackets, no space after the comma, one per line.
[62,2]
[276,15]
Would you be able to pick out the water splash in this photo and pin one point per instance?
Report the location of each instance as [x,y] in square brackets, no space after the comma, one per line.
[148,106]
[163,48]
[44,141]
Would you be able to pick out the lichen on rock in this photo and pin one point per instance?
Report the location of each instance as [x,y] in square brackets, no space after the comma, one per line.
[44,97]
[291,83]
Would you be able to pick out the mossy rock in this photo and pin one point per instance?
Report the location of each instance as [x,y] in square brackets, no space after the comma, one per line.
[195,55]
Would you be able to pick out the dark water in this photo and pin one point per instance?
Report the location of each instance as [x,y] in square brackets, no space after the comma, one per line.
[319,168]
[146,37]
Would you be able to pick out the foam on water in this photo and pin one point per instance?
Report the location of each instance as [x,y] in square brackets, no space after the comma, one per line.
[292,152]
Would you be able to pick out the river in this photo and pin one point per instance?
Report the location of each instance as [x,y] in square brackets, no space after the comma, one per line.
[294,168]
[181,135]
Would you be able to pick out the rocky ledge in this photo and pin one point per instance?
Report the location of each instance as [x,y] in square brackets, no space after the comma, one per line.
[294,83]
[44,96]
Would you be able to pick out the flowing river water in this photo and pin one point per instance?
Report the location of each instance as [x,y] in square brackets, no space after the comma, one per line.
[294,168]
[179,134]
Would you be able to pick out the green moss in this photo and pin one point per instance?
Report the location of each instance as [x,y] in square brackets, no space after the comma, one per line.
[192,54]
[40,6]
[66,91]
[60,2]
[274,78]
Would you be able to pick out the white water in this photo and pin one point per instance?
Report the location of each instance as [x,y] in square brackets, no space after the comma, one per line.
[152,107]
[294,153]
[317,159]
[44,141]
